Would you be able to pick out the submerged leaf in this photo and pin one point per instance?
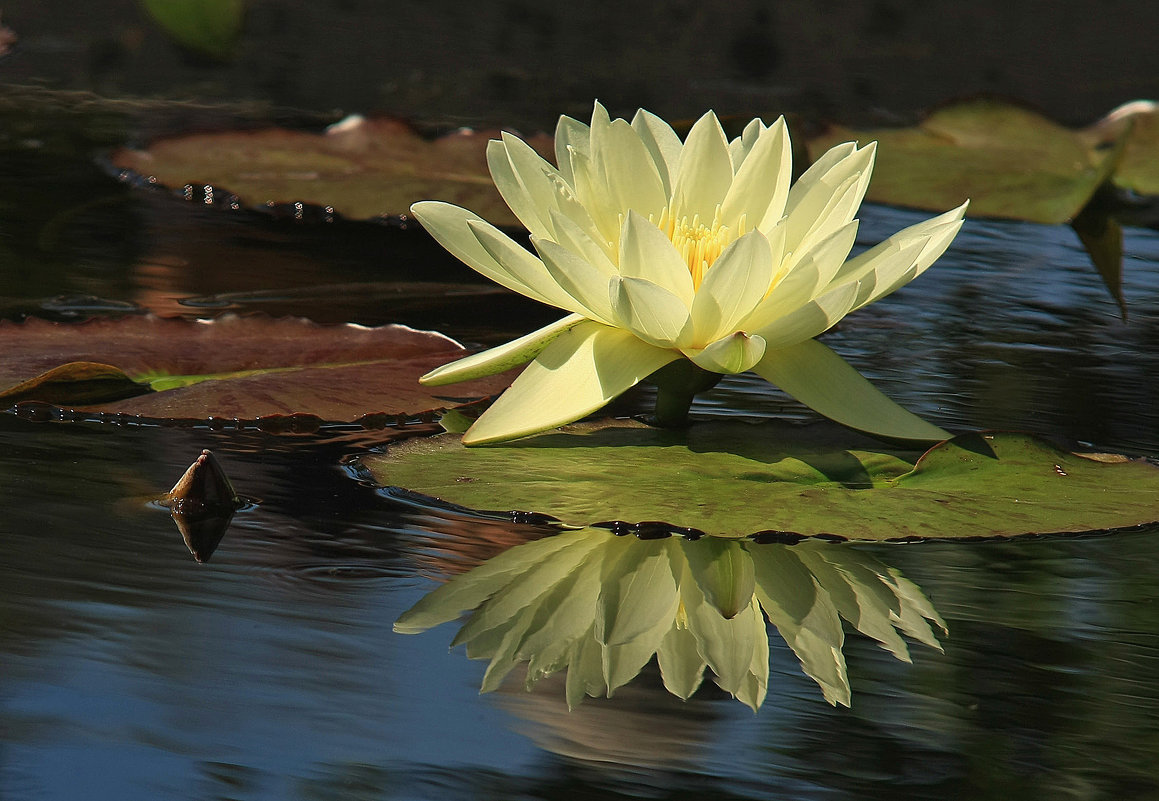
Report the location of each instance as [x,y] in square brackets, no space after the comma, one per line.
[733,478]
[233,368]
[363,169]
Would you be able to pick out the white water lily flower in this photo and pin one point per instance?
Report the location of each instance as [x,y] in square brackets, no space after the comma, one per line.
[664,250]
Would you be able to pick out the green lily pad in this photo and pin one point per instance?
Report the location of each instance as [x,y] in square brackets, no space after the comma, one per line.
[232,368]
[363,169]
[733,479]
[208,27]
[1012,163]
[1138,121]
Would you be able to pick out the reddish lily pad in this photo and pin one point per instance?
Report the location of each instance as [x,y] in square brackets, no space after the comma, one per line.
[363,169]
[234,368]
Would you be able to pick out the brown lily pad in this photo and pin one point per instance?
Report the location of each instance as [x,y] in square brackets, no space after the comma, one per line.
[1010,162]
[363,169]
[233,368]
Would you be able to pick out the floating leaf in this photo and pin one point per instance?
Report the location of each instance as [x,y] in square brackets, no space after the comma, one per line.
[361,168]
[731,478]
[1138,121]
[588,602]
[209,27]
[232,368]
[1012,163]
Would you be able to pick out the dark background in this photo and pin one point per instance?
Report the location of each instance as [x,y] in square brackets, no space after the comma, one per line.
[521,63]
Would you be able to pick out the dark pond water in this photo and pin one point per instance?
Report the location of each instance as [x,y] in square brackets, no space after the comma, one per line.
[271,671]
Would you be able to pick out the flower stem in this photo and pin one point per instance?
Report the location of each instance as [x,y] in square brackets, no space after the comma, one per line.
[677,383]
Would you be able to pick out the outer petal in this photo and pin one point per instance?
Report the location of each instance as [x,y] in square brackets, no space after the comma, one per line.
[736,353]
[524,194]
[451,228]
[576,276]
[650,312]
[645,252]
[828,195]
[814,318]
[576,374]
[504,357]
[761,185]
[733,287]
[523,266]
[705,171]
[902,257]
[826,383]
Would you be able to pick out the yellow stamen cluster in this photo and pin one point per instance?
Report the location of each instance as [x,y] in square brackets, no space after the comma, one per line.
[699,244]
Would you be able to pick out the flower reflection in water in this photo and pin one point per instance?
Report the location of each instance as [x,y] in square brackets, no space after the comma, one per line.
[601,606]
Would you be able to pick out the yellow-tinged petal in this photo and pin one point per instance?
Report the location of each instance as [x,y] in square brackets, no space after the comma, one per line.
[761,185]
[828,195]
[704,173]
[626,170]
[504,357]
[580,371]
[523,266]
[570,135]
[735,353]
[650,312]
[577,277]
[647,253]
[582,238]
[526,204]
[826,383]
[739,148]
[814,318]
[734,286]
[662,143]
[450,226]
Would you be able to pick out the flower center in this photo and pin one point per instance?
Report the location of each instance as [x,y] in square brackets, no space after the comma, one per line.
[699,244]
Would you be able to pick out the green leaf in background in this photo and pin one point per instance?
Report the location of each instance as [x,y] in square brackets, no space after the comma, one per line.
[732,478]
[1138,122]
[207,27]
[600,606]
[1012,163]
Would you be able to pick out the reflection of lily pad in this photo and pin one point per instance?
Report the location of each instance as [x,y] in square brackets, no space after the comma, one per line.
[1010,162]
[361,168]
[733,479]
[232,368]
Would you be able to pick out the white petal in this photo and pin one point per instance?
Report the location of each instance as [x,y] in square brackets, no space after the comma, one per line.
[663,145]
[704,173]
[735,353]
[646,252]
[826,383]
[576,276]
[590,192]
[650,312]
[451,228]
[732,288]
[814,318]
[503,357]
[739,148]
[761,185]
[576,374]
[522,265]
